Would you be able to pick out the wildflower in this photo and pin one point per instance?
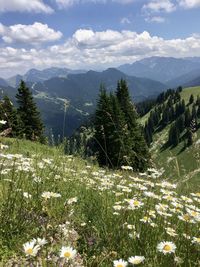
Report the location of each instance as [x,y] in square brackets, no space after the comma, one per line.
[136,260]
[27,195]
[127,168]
[196,240]
[178,260]
[67,253]
[48,195]
[146,219]
[134,204]
[120,263]
[3,122]
[186,218]
[166,247]
[171,231]
[186,199]
[72,200]
[117,207]
[41,241]
[30,249]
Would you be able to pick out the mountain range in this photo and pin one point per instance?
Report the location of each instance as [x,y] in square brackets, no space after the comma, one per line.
[54,87]
[167,70]
[80,92]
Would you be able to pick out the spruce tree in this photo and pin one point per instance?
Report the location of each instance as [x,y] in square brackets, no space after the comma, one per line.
[189,138]
[29,114]
[138,147]
[191,100]
[102,125]
[198,112]
[188,117]
[174,135]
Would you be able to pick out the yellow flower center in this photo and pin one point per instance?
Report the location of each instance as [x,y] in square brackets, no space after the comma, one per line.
[167,248]
[186,217]
[29,251]
[194,213]
[120,265]
[137,261]
[136,202]
[67,254]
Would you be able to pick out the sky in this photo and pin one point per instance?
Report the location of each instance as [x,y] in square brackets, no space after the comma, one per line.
[94,34]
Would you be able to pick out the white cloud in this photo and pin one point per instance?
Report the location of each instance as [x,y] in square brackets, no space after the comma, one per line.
[124,2]
[91,50]
[30,34]
[159,6]
[69,3]
[37,6]
[156,19]
[189,3]
[125,21]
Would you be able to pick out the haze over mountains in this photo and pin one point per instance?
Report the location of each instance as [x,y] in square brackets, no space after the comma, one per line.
[53,87]
[167,70]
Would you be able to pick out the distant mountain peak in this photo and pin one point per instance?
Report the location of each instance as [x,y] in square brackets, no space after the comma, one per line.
[162,69]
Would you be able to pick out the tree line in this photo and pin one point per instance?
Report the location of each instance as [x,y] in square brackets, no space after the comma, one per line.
[171,109]
[23,121]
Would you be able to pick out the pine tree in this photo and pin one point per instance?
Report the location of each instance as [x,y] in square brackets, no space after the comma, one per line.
[198,112]
[174,135]
[119,138]
[138,146]
[191,100]
[198,101]
[102,124]
[30,116]
[188,117]
[180,123]
[189,138]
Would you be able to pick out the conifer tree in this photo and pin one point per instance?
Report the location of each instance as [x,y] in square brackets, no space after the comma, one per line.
[29,114]
[138,147]
[119,139]
[189,138]
[188,117]
[198,101]
[191,100]
[102,124]
[180,123]
[174,135]
[198,112]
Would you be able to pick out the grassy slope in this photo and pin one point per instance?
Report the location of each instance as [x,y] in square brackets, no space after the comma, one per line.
[179,164]
[101,204]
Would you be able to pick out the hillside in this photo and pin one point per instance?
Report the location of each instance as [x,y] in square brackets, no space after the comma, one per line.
[58,209]
[180,163]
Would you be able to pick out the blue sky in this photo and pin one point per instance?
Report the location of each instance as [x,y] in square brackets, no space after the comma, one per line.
[94,34]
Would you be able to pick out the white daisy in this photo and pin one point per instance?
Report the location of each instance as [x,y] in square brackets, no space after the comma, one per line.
[67,253]
[30,249]
[41,241]
[166,247]
[120,263]
[136,259]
